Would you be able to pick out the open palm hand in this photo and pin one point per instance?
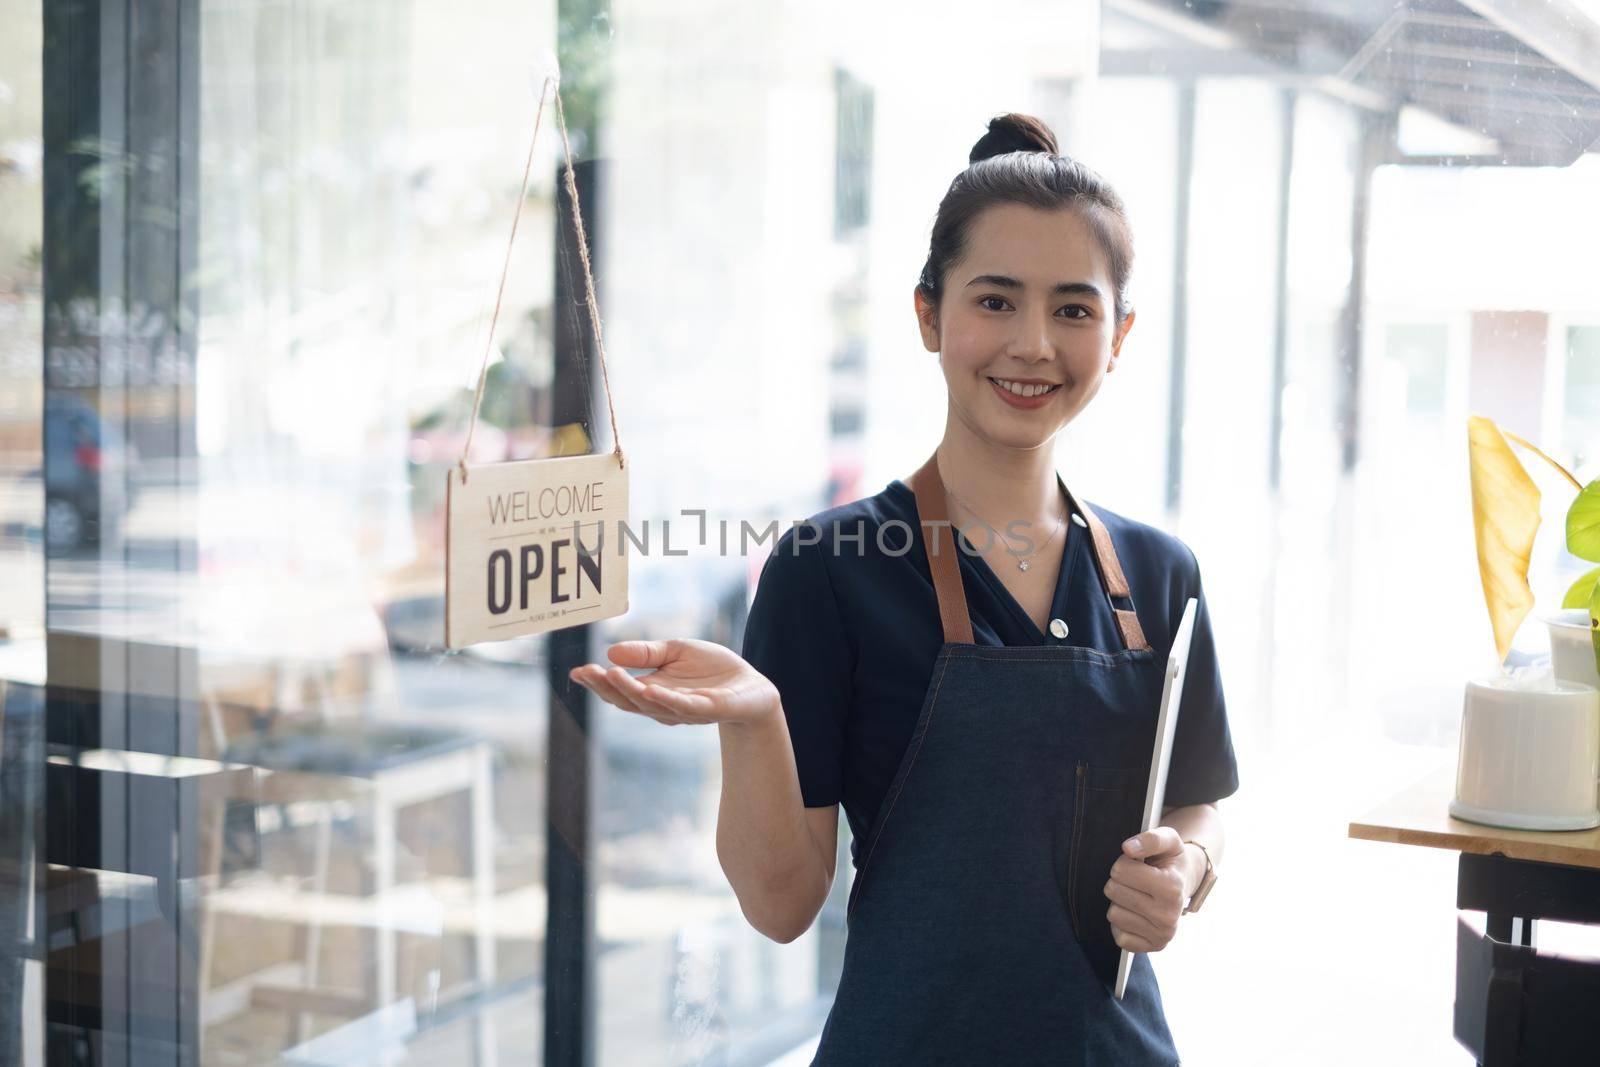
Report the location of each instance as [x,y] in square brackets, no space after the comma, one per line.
[693,681]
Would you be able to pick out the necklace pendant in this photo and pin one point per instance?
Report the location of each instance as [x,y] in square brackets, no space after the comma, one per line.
[1022,565]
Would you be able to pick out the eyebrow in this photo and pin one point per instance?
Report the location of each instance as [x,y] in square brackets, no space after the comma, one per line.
[1062,288]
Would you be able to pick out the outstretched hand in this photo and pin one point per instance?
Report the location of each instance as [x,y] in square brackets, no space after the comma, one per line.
[693,681]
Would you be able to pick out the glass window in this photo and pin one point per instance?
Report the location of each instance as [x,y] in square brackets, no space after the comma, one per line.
[1580,409]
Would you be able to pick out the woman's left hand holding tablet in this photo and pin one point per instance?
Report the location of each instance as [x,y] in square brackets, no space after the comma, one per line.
[1147,890]
[693,681]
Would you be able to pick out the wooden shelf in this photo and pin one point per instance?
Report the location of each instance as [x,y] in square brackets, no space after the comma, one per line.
[1420,815]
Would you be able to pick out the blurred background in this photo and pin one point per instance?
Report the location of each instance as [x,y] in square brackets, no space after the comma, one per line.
[251,811]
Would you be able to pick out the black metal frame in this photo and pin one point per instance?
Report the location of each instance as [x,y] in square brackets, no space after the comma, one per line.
[121,236]
[570,953]
[1514,1006]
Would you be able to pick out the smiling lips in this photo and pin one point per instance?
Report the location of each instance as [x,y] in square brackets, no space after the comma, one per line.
[1024,393]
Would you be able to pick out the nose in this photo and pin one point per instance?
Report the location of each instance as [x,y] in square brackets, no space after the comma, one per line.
[1031,342]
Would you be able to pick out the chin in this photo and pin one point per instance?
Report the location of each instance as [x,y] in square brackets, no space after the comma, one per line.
[1023,443]
[1011,434]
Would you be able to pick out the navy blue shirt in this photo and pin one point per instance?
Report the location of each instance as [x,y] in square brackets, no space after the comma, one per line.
[848,628]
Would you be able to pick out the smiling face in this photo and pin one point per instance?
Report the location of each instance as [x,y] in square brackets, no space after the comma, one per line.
[1026,327]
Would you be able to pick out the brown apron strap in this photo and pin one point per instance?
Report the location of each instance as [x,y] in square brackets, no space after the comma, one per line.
[941,550]
[1111,576]
[933,515]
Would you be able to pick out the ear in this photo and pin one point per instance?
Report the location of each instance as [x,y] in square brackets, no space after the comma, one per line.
[927,319]
[1116,341]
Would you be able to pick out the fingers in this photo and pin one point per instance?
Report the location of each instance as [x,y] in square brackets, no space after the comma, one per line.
[644,653]
[689,706]
[1154,844]
[1146,904]
[1132,924]
[1161,912]
[1164,884]
[596,681]
[1132,942]
[646,697]
[607,686]
[641,695]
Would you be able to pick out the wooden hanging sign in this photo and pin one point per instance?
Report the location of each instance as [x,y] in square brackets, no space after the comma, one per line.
[536,545]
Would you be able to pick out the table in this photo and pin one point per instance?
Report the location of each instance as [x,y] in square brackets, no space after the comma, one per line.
[397,767]
[1514,1005]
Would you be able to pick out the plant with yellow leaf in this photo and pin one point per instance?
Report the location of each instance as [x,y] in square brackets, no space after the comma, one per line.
[1505,518]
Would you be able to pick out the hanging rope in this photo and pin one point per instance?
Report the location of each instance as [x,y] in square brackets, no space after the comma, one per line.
[588,279]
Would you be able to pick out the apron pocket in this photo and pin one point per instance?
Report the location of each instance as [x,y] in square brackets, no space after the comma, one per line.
[1108,809]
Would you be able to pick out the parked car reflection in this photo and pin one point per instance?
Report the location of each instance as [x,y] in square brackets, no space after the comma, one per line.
[87,490]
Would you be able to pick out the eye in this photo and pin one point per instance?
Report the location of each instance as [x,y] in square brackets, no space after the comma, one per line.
[984,300]
[1079,308]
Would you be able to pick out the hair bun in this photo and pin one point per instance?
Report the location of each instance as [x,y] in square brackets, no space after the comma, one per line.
[1014,133]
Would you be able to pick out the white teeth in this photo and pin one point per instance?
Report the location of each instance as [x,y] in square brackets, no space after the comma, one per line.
[1020,389]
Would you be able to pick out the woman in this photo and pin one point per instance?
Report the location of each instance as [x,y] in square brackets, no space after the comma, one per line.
[985,716]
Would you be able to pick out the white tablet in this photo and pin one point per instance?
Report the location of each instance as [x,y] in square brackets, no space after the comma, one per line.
[1166,725]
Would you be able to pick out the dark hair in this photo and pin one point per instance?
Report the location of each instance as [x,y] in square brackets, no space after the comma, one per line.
[1017,162]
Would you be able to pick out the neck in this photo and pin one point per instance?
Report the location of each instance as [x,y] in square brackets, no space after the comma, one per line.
[1000,482]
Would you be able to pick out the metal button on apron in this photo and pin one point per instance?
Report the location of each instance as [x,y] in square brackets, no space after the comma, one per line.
[1058,628]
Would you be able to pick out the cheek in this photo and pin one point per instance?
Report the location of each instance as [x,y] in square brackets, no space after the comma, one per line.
[968,343]
[1088,348]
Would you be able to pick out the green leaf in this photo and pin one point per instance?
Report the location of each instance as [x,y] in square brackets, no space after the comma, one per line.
[1583,524]
[1594,624]
[1581,590]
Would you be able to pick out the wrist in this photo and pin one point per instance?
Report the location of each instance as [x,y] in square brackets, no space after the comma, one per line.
[1194,868]
[766,715]
[772,710]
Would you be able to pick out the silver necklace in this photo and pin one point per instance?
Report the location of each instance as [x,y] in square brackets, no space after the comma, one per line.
[1023,561]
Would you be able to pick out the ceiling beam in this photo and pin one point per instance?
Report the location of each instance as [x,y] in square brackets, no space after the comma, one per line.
[1233,49]
[1556,29]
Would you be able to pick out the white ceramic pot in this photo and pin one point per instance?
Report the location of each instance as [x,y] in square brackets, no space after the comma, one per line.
[1529,756]
[1571,647]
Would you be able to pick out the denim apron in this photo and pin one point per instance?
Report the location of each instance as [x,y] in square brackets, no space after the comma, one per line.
[977,929]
